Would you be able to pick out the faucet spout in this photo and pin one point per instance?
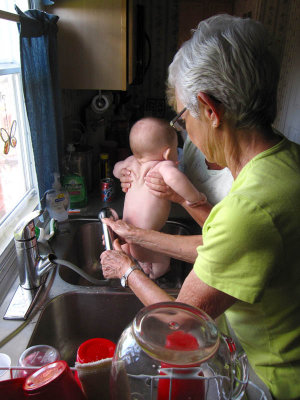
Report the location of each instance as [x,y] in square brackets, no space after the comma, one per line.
[109,236]
[32,267]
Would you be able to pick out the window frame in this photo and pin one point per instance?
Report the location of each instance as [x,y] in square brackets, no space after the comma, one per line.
[30,200]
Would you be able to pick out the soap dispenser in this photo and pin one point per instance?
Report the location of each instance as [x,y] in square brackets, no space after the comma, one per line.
[58,200]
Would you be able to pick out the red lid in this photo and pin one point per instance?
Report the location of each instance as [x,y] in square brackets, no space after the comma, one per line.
[95,349]
[180,340]
[45,375]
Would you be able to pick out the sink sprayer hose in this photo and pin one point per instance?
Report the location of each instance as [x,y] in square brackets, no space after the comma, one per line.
[79,271]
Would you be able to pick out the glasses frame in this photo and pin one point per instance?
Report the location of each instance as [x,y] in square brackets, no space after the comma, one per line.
[175,123]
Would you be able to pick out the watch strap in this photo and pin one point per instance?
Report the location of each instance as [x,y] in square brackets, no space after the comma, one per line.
[124,279]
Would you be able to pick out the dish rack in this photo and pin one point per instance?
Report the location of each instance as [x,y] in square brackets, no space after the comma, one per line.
[214,383]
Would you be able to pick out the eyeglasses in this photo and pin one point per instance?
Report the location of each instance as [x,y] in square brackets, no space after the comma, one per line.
[178,123]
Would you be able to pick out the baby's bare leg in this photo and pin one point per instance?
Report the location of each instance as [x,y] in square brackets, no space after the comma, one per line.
[160,262]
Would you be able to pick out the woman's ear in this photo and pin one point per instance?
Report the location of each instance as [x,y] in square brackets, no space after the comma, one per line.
[213,109]
[166,153]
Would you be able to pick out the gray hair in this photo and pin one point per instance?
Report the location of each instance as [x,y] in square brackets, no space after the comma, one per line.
[230,59]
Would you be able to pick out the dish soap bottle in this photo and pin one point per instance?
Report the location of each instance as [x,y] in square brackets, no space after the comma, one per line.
[57,200]
[73,181]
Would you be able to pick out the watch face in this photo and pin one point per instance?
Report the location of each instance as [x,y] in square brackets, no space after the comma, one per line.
[123,281]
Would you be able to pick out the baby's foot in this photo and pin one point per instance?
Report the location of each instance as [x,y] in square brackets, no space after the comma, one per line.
[147,267]
[158,272]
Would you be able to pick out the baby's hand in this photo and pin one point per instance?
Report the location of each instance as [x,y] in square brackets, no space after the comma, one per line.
[125,179]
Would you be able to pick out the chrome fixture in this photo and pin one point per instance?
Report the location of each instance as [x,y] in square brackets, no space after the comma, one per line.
[109,236]
[32,268]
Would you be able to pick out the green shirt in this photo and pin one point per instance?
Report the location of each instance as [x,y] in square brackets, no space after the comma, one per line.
[251,251]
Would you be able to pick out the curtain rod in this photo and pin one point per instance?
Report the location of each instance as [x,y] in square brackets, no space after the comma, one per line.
[9,16]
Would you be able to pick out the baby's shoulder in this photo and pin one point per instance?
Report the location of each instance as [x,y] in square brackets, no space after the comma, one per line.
[163,165]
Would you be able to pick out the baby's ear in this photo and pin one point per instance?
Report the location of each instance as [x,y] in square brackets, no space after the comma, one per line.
[166,153]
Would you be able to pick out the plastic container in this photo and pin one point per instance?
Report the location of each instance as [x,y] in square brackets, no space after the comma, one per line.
[93,350]
[5,361]
[53,381]
[12,389]
[36,356]
[57,200]
[105,170]
[75,175]
[75,185]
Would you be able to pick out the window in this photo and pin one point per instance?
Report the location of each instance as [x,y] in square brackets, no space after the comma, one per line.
[18,187]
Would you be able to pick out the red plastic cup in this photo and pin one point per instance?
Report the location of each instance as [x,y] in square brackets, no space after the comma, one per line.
[53,381]
[93,350]
[12,389]
[181,389]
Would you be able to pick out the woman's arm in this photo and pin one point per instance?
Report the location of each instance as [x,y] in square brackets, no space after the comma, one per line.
[115,263]
[177,246]
[197,293]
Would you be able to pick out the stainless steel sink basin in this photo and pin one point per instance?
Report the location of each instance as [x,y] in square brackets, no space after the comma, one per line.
[71,318]
[83,245]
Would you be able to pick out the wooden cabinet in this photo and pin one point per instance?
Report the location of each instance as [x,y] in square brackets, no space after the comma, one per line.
[95,43]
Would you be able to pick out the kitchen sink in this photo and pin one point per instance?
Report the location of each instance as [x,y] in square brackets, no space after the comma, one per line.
[71,318]
[84,245]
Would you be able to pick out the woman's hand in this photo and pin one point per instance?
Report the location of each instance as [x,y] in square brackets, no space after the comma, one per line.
[127,233]
[125,179]
[158,188]
[115,262]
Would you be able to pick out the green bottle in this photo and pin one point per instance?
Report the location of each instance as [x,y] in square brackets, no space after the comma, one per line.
[76,187]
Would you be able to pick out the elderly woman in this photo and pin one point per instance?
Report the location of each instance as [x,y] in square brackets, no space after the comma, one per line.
[247,263]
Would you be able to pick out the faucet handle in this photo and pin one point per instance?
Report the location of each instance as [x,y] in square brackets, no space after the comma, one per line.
[25,228]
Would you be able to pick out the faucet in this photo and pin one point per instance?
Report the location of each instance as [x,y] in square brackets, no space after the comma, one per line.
[109,236]
[32,267]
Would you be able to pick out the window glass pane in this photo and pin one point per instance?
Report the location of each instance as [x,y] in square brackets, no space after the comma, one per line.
[9,44]
[9,5]
[13,179]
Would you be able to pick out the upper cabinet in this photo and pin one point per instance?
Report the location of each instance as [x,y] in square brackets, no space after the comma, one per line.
[95,43]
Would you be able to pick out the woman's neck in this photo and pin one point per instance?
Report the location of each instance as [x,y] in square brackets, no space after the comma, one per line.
[244,145]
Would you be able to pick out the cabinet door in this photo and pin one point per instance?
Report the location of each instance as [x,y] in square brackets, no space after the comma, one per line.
[92,43]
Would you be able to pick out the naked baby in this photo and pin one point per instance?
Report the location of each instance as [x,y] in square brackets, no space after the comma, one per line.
[153,143]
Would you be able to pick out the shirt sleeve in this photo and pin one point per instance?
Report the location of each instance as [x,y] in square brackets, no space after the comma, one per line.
[241,249]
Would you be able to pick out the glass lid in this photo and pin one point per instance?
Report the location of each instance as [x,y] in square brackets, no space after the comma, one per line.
[176,333]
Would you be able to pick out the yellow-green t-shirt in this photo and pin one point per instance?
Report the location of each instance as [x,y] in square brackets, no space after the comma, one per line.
[251,251]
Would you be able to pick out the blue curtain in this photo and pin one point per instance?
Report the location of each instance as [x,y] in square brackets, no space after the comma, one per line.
[38,47]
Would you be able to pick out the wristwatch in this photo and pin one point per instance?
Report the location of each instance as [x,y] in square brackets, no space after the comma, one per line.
[124,279]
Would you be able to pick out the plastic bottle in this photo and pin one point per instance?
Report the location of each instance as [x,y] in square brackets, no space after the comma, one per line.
[104,166]
[58,200]
[73,181]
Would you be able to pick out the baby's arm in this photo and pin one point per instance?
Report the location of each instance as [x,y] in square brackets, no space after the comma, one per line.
[180,183]
[122,164]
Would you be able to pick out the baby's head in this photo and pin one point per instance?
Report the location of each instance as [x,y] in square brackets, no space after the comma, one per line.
[153,139]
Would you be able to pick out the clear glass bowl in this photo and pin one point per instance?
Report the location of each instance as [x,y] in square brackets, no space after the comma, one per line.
[175,351]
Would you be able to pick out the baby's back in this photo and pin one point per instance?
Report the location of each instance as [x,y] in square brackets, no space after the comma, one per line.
[142,208]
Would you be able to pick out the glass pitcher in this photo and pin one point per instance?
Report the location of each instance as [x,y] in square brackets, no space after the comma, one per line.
[173,351]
